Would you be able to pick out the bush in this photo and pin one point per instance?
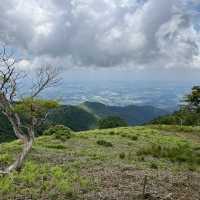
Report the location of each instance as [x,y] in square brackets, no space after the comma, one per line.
[55,146]
[104,143]
[122,155]
[134,137]
[112,133]
[153,165]
[59,132]
[111,122]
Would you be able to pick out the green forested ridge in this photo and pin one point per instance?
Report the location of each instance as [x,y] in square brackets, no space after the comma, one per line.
[133,115]
[73,117]
[85,116]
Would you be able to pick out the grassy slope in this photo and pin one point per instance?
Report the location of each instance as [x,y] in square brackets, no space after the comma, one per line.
[79,168]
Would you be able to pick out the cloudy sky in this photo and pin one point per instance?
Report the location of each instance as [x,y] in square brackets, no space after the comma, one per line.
[129,38]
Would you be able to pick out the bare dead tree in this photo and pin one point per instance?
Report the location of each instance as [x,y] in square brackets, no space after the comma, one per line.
[10,77]
[47,77]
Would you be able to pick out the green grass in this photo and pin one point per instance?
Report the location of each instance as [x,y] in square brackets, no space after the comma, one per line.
[68,169]
[43,181]
[176,128]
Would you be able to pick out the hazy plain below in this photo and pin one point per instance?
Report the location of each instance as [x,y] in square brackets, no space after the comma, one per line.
[161,94]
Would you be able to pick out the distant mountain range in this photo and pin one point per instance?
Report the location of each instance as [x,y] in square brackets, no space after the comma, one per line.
[86,115]
[133,115]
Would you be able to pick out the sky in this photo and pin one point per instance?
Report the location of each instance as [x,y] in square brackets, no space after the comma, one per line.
[105,39]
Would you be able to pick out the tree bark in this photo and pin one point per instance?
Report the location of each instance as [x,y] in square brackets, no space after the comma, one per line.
[26,139]
[19,161]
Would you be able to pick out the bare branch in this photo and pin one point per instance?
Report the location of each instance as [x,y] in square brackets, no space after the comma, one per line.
[47,76]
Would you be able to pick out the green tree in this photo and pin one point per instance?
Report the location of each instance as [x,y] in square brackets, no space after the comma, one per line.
[111,122]
[192,100]
[189,112]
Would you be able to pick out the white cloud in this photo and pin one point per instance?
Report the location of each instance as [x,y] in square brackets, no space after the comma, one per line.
[23,64]
[103,33]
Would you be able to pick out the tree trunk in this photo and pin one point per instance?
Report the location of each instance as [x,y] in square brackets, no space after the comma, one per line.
[27,140]
[19,161]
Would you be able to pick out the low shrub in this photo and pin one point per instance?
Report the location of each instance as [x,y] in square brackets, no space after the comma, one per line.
[128,135]
[104,143]
[141,158]
[111,122]
[112,133]
[122,155]
[134,137]
[153,165]
[59,132]
[56,146]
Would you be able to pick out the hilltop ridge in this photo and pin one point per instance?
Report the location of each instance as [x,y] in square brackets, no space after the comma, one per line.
[108,164]
[132,114]
[86,115]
